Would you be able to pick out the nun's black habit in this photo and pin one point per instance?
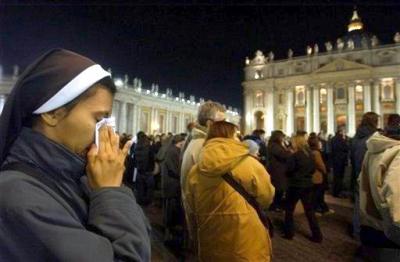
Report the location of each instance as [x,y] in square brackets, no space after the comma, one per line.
[66,221]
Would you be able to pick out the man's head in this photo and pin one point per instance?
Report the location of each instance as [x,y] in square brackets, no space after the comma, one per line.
[260,133]
[178,140]
[370,120]
[210,112]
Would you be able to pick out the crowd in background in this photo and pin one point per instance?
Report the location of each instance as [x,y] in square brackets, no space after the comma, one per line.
[189,170]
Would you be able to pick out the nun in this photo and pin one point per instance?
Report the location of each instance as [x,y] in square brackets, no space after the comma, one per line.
[61,196]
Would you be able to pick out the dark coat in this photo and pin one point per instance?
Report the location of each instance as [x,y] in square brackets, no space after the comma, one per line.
[38,224]
[143,158]
[359,147]
[300,168]
[276,165]
[340,152]
[170,173]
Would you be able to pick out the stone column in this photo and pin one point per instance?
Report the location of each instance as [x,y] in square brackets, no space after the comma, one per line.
[269,121]
[168,121]
[376,97]
[351,111]
[316,108]
[290,112]
[397,95]
[122,118]
[367,96]
[181,122]
[376,102]
[248,117]
[309,105]
[2,102]
[134,119]
[138,119]
[330,112]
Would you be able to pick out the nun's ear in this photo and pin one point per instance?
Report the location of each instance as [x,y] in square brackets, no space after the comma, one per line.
[53,118]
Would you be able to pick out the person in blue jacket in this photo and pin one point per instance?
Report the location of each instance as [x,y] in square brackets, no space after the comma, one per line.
[61,196]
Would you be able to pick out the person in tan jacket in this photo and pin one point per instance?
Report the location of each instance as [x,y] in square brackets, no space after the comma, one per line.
[379,183]
[220,221]
[319,177]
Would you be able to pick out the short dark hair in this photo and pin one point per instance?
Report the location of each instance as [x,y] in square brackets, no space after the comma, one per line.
[370,119]
[258,132]
[393,120]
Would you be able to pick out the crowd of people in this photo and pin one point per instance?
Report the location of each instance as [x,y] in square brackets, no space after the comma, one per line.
[65,198]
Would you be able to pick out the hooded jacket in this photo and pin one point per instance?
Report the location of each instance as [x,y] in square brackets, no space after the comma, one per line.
[380,186]
[221,222]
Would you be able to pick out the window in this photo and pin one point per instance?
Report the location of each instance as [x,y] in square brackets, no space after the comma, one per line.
[300,95]
[340,93]
[387,89]
[258,74]
[359,93]
[322,96]
[259,99]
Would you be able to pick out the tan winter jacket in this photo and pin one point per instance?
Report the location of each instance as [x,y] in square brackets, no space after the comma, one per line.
[191,154]
[380,186]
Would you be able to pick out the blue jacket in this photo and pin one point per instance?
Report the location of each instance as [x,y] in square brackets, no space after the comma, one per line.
[38,224]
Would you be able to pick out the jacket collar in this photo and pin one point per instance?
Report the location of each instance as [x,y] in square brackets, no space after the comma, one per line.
[54,159]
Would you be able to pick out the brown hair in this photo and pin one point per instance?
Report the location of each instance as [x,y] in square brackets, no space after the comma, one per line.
[313,143]
[370,120]
[299,142]
[222,129]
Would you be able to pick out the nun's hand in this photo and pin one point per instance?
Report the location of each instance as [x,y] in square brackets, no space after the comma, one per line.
[105,167]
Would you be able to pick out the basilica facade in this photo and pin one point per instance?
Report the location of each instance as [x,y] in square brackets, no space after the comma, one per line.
[140,108]
[324,89]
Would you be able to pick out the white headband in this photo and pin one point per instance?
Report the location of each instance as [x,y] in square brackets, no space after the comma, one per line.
[74,88]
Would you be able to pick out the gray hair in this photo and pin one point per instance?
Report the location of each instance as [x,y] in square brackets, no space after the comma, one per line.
[208,110]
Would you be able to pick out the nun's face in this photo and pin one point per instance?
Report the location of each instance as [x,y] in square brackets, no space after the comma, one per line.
[76,130]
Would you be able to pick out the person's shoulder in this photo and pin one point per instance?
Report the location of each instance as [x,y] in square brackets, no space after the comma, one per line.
[195,145]
[251,163]
[20,191]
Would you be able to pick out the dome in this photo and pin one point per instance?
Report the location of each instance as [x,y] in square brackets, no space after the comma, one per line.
[356,36]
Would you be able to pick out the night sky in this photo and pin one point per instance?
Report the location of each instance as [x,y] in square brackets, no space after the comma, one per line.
[191,46]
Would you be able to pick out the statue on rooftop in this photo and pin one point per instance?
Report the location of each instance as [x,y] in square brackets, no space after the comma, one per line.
[316,49]
[290,53]
[328,46]
[309,50]
[374,41]
[271,56]
[350,44]
[339,44]
[396,37]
